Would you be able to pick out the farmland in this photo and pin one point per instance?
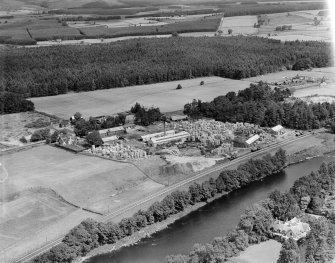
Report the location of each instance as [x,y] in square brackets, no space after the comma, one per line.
[162,95]
[201,25]
[31,188]
[239,25]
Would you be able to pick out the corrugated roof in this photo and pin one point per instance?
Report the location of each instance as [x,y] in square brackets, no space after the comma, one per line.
[252,139]
[277,128]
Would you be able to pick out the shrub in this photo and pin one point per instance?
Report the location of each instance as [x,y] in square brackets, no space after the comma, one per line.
[23,139]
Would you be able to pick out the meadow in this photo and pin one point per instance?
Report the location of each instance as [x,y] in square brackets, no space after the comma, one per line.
[163,95]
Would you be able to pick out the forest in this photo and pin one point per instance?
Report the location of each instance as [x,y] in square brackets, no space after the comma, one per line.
[57,70]
[259,104]
[91,234]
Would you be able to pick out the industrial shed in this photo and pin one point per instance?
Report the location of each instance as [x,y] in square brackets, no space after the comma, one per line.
[252,139]
[181,136]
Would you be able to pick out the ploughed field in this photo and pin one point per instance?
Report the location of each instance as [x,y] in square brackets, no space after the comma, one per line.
[163,95]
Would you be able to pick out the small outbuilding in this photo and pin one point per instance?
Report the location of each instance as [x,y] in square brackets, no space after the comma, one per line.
[111,131]
[179,117]
[277,130]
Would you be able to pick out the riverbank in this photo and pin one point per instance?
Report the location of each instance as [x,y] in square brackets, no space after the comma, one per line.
[327,145]
[146,231]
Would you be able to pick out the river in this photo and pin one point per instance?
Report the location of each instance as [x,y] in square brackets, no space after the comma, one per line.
[212,220]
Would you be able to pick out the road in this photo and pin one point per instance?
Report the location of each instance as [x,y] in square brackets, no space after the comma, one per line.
[166,190]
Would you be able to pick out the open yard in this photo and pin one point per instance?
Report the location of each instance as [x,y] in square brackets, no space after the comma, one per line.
[162,95]
[264,252]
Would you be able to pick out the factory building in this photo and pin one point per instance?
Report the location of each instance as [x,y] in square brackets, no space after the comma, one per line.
[181,136]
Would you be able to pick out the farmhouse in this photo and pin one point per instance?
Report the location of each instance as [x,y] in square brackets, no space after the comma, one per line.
[252,139]
[181,136]
[291,229]
[277,130]
[111,131]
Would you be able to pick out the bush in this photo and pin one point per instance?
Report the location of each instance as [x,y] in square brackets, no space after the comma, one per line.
[179,86]
[94,138]
[39,123]
[40,135]
[23,139]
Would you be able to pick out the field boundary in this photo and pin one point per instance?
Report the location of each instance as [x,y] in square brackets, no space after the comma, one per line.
[121,161]
[21,148]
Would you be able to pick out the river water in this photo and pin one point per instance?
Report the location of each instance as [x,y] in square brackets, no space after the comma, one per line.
[212,220]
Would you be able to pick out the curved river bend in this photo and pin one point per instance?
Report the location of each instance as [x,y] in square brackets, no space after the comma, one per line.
[212,220]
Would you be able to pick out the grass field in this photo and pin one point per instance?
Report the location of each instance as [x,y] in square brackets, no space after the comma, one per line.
[32,180]
[27,212]
[80,179]
[264,252]
[162,95]
[239,25]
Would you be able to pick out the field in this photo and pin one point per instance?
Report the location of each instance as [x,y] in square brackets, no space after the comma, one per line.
[303,27]
[264,252]
[80,179]
[162,95]
[32,182]
[209,24]
[239,25]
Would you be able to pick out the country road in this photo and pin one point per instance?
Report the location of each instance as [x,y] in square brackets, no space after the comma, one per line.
[166,190]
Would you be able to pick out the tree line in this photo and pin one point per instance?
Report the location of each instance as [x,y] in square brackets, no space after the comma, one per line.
[306,195]
[91,234]
[13,102]
[259,104]
[56,70]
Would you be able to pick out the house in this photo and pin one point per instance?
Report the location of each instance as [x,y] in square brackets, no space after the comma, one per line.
[181,136]
[111,131]
[291,229]
[277,130]
[252,139]
[66,138]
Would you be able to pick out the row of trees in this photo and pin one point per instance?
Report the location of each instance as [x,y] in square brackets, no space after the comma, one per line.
[56,70]
[91,234]
[12,103]
[255,223]
[259,104]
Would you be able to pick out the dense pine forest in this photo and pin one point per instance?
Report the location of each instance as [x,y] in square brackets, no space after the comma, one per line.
[259,104]
[49,71]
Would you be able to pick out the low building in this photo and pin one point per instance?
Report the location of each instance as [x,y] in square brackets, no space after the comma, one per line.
[179,118]
[252,139]
[181,136]
[67,138]
[129,127]
[291,229]
[148,137]
[110,138]
[130,118]
[277,130]
[111,131]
